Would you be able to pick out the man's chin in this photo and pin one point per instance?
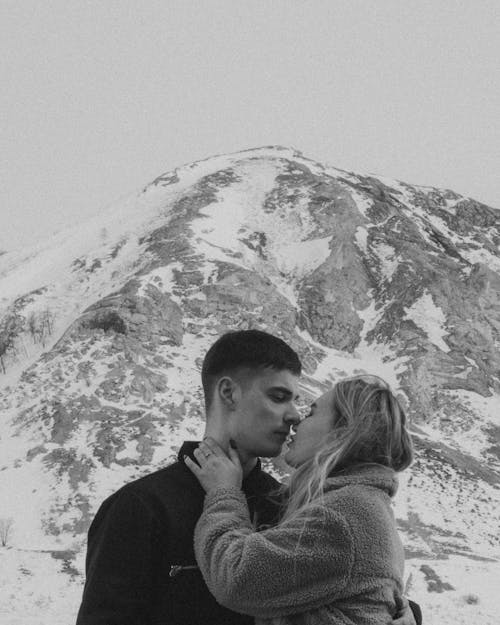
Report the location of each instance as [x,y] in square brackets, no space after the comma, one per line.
[270,452]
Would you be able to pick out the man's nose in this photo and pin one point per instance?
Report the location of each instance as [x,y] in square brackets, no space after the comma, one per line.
[292,415]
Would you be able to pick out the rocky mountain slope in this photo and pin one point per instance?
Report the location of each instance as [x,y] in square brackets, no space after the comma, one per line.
[103,327]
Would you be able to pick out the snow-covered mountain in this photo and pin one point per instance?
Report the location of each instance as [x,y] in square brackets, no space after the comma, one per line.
[103,327]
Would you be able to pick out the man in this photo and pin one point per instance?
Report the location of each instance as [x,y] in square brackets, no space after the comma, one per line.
[141,568]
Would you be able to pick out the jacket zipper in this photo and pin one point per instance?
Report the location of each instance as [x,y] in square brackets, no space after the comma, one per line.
[175,569]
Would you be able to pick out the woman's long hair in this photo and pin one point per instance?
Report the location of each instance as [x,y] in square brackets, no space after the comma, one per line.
[368,426]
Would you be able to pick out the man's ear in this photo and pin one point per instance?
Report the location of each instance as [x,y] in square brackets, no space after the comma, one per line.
[228,391]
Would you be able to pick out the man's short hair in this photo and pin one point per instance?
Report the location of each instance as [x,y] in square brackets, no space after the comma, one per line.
[246,349]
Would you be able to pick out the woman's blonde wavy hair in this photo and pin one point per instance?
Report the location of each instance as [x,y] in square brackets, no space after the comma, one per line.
[368,427]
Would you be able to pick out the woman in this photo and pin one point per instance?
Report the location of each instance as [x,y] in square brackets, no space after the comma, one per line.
[335,556]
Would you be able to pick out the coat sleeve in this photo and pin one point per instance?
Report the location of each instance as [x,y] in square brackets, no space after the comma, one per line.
[119,564]
[297,566]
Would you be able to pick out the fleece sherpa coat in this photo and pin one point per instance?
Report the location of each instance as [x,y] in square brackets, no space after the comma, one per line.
[344,565]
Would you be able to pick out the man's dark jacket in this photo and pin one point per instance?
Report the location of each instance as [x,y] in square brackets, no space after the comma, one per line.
[141,568]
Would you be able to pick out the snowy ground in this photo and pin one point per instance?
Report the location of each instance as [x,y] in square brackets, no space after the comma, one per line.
[35,589]
[472,599]
[40,589]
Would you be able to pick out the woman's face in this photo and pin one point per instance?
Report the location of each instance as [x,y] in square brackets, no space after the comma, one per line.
[311,431]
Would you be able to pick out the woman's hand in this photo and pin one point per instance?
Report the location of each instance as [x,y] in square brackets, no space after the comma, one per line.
[216,469]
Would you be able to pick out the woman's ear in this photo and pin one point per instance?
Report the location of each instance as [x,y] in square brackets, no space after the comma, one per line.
[228,391]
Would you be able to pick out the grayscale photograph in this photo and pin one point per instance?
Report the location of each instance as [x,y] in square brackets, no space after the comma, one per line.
[250,312]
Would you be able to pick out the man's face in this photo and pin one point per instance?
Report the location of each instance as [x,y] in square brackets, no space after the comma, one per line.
[265,411]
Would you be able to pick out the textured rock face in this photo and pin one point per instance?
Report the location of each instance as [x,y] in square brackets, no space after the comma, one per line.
[100,355]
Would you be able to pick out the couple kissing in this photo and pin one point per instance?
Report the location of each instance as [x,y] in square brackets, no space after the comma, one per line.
[213,539]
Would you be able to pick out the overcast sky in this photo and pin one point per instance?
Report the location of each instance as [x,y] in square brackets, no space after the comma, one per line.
[99,98]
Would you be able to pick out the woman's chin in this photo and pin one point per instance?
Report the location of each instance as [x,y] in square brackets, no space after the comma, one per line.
[288,458]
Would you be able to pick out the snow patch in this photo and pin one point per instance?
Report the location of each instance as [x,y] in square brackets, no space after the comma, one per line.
[361,236]
[483,256]
[430,318]
[361,200]
[304,257]
[389,260]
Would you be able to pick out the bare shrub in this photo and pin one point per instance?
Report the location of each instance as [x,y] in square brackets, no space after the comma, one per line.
[5,530]
[40,325]
[8,333]
[471,599]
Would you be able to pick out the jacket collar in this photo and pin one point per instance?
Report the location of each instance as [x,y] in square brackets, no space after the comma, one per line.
[251,482]
[375,475]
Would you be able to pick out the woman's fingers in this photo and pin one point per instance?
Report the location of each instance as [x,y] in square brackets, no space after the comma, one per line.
[211,446]
[191,465]
[215,469]
[200,456]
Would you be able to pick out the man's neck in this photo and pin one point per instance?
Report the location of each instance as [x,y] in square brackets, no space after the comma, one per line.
[248,462]
[248,465]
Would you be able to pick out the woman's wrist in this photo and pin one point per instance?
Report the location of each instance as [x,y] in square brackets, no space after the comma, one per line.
[225,492]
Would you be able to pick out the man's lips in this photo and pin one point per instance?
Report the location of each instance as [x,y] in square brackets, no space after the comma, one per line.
[286,436]
[283,435]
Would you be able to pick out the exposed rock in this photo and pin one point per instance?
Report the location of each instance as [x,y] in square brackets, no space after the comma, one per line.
[148,318]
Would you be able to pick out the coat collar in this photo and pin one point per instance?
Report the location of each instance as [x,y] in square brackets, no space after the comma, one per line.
[375,475]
